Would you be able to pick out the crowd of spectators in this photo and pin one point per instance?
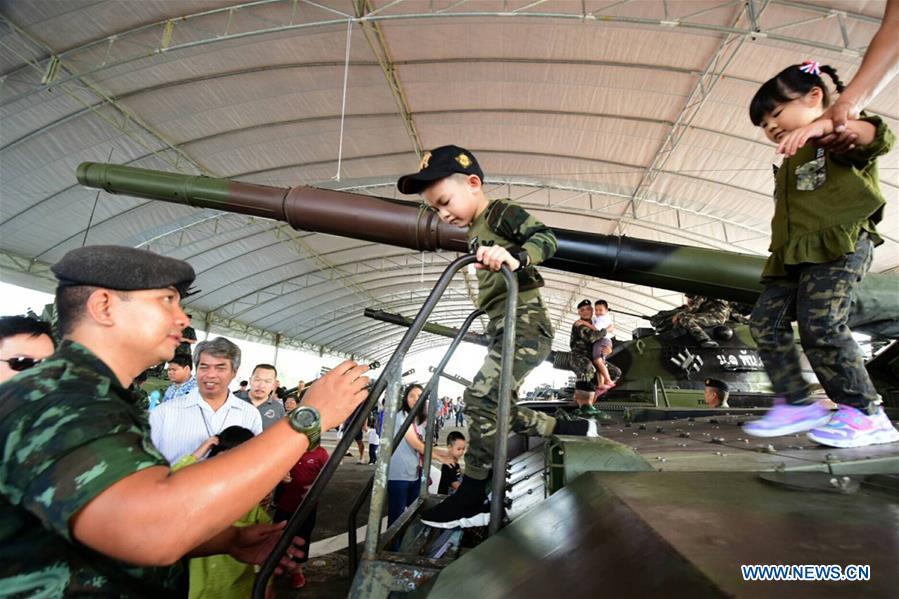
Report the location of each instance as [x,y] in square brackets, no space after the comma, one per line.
[198,416]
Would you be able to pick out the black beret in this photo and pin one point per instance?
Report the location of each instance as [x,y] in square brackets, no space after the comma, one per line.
[717,384]
[438,164]
[123,269]
[584,303]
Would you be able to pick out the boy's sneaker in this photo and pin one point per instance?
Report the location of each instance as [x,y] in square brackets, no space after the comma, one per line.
[787,419]
[586,427]
[852,427]
[466,508]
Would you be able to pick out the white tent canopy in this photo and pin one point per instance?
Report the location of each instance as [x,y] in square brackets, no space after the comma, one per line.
[617,117]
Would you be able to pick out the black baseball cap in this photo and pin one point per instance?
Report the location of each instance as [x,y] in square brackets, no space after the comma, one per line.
[584,303]
[438,164]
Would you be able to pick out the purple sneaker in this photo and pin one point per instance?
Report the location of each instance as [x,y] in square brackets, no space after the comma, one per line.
[786,419]
[853,428]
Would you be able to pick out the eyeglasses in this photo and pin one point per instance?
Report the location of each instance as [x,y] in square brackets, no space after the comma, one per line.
[21,363]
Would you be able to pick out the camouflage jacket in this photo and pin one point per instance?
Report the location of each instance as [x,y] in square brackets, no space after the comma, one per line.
[583,337]
[509,225]
[713,307]
[68,431]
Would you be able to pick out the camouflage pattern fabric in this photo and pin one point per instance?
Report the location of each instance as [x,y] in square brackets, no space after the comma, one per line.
[614,372]
[509,225]
[706,313]
[700,314]
[69,431]
[533,341]
[141,398]
[581,343]
[819,297]
[661,321]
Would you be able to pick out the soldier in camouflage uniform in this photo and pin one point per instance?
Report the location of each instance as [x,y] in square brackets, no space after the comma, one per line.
[698,314]
[705,312]
[581,342]
[84,495]
[499,232]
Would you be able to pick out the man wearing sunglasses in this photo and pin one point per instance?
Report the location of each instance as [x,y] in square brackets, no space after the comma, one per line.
[24,342]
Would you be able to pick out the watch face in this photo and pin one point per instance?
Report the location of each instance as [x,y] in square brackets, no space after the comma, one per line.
[305,418]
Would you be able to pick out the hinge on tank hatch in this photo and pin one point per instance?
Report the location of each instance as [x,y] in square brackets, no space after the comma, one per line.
[689,363]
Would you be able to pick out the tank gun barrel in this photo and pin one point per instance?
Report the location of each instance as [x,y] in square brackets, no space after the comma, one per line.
[436,329]
[558,359]
[453,377]
[702,271]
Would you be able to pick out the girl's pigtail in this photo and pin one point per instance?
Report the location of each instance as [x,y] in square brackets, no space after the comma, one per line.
[832,73]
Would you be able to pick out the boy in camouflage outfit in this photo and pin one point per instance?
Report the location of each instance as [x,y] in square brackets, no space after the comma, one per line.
[499,232]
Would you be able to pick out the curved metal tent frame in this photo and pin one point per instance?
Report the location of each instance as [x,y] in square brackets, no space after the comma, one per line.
[618,117]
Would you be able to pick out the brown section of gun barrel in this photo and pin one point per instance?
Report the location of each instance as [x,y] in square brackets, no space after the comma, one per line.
[370,218]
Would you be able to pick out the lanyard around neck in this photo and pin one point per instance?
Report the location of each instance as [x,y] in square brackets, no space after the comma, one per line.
[206,424]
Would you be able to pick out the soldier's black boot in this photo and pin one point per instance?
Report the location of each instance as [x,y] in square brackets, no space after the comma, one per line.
[465,508]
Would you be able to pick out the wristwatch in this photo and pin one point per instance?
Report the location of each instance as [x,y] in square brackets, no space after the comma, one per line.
[308,421]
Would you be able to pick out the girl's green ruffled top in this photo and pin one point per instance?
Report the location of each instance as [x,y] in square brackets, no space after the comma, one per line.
[824,201]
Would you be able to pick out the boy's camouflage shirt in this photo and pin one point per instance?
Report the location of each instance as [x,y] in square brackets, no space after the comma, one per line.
[509,225]
[68,431]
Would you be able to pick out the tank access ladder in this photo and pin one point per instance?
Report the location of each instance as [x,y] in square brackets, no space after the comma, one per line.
[424,551]
[379,572]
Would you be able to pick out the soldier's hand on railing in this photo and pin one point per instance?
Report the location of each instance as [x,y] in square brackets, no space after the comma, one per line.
[337,393]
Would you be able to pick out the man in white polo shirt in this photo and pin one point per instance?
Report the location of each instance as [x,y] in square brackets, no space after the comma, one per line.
[178,427]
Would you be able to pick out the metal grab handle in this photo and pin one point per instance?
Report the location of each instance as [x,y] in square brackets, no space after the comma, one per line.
[656,384]
[504,402]
[315,491]
[398,437]
[391,374]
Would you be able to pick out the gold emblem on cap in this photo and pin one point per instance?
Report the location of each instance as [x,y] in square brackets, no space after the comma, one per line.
[464,160]
[424,161]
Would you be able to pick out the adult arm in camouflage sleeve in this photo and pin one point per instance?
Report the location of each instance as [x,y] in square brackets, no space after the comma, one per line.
[154,517]
[588,334]
[530,235]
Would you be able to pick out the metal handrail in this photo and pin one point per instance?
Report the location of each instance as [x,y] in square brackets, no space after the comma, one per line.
[392,378]
[376,505]
[391,375]
[398,437]
[656,384]
[504,403]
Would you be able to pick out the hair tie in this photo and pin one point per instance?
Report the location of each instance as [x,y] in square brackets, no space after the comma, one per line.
[811,67]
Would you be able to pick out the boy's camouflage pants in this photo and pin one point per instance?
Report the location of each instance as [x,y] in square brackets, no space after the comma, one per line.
[819,297]
[533,340]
